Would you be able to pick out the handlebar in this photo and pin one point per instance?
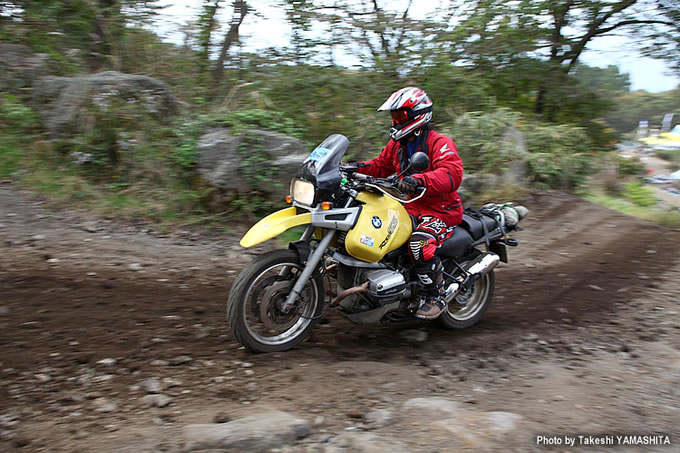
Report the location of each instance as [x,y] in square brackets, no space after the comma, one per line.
[381,184]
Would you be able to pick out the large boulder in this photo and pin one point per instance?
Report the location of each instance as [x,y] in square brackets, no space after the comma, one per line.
[254,160]
[65,103]
[19,67]
[516,172]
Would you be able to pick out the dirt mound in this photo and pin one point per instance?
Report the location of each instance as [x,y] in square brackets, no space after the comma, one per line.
[582,338]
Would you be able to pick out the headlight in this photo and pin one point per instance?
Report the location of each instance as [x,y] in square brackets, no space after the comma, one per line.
[302,192]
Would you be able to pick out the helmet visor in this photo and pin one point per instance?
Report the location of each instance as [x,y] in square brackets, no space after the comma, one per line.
[399,116]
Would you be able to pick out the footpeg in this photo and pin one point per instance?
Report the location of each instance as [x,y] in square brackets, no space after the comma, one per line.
[512,242]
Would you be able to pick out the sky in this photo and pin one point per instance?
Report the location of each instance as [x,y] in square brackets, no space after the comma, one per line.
[645,73]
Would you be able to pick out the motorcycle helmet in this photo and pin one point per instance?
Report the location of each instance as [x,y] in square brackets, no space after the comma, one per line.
[411,109]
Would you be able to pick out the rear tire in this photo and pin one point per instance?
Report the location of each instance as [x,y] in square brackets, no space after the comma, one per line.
[478,300]
[252,308]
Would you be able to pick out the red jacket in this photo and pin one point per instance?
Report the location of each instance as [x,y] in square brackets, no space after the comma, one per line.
[441,179]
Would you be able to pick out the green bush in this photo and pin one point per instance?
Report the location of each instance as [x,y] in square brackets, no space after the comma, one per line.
[479,138]
[16,117]
[559,156]
[630,166]
[640,194]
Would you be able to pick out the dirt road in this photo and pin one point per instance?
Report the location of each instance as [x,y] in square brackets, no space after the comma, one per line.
[113,339]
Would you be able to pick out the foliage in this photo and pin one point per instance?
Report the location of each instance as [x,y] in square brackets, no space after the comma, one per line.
[558,156]
[639,194]
[666,217]
[630,167]
[640,105]
[480,139]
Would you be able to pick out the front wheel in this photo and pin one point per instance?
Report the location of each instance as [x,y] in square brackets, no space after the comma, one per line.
[468,308]
[253,309]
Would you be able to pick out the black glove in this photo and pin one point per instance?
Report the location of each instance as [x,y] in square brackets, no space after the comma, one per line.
[353,165]
[409,185]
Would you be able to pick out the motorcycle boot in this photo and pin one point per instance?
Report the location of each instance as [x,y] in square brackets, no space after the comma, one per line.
[432,277]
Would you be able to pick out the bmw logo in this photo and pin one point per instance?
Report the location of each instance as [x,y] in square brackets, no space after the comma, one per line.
[377,223]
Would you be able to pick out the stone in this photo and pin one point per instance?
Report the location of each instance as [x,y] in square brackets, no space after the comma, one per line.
[157,400]
[484,431]
[20,67]
[258,432]
[104,405]
[107,362]
[135,267]
[253,160]
[152,385]
[378,418]
[64,102]
[361,442]
[432,406]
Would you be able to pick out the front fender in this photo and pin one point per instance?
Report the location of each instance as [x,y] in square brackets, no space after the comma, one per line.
[273,225]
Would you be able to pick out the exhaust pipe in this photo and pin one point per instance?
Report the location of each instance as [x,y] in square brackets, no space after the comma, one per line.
[478,268]
[363,288]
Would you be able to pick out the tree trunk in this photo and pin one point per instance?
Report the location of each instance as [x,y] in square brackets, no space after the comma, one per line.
[239,14]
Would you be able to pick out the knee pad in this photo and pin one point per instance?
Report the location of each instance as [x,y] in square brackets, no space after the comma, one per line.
[422,248]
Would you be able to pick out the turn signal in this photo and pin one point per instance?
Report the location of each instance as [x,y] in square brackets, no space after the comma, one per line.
[326,205]
[288,199]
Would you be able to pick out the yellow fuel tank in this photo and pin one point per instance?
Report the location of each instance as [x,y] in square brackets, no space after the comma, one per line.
[383,226]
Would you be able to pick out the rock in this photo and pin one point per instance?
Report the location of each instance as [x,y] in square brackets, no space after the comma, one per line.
[43,378]
[254,160]
[414,335]
[104,405]
[180,360]
[432,406]
[107,362]
[483,431]
[135,267]
[378,418]
[90,227]
[221,417]
[259,432]
[38,237]
[479,182]
[157,400]
[358,442]
[20,67]
[152,385]
[64,103]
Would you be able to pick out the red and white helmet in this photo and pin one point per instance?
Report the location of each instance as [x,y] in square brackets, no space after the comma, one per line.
[411,109]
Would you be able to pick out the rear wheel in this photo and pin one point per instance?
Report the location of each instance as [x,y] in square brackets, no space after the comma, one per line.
[254,306]
[468,308]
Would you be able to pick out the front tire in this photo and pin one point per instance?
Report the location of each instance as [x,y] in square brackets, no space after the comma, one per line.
[253,306]
[469,308]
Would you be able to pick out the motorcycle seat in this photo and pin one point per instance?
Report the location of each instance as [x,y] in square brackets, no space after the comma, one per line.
[459,244]
[474,226]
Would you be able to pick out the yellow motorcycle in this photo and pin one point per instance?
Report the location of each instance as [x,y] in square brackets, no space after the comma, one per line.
[353,256]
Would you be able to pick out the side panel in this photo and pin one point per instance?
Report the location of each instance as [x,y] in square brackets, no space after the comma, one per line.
[383,226]
[273,225]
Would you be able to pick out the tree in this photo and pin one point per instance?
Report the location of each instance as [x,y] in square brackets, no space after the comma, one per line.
[206,25]
[232,37]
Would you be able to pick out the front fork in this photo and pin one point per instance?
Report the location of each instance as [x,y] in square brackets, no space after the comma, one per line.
[313,260]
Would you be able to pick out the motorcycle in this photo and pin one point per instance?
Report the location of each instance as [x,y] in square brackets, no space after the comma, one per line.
[355,238]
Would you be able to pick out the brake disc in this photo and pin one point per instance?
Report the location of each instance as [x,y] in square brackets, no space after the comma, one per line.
[270,314]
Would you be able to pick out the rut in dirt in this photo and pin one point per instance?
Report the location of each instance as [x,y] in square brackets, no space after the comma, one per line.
[577,262]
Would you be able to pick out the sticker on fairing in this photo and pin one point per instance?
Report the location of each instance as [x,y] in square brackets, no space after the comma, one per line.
[318,154]
[366,240]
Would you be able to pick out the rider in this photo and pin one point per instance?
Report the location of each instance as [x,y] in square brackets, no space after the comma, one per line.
[441,209]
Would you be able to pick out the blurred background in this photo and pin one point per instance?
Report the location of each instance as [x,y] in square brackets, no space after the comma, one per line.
[199,111]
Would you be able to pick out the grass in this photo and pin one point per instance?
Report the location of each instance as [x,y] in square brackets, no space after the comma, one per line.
[667,217]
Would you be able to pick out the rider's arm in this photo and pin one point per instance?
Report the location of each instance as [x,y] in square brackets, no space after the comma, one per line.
[381,166]
[447,173]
